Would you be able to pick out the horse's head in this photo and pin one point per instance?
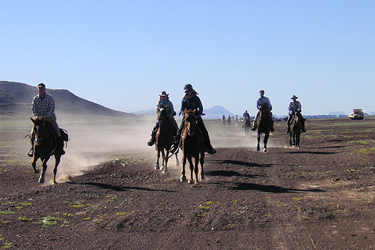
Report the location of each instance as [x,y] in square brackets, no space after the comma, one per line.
[39,130]
[190,115]
[162,112]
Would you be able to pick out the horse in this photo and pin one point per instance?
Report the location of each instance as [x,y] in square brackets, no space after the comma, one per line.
[295,128]
[192,145]
[164,139]
[264,123]
[246,125]
[45,145]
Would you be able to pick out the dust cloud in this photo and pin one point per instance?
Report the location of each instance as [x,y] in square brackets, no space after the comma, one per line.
[94,140]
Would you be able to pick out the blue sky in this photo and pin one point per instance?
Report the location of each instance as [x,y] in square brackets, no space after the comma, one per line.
[122,54]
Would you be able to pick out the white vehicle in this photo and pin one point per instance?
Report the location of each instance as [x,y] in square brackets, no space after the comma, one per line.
[357,114]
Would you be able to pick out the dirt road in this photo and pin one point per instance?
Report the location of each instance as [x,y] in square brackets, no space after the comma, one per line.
[319,197]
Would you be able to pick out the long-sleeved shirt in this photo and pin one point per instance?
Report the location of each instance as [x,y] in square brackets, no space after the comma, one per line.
[295,106]
[44,106]
[169,106]
[262,101]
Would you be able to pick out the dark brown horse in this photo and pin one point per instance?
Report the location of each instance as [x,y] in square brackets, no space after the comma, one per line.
[45,145]
[164,139]
[192,147]
[264,123]
[295,128]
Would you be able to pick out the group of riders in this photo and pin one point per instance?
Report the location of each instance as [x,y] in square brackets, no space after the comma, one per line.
[191,101]
[43,105]
[263,103]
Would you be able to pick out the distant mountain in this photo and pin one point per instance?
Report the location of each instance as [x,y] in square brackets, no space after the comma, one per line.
[216,112]
[16,97]
[337,113]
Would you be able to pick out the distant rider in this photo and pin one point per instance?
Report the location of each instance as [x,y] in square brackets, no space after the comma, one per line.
[295,107]
[263,100]
[191,101]
[43,105]
[164,102]
[246,115]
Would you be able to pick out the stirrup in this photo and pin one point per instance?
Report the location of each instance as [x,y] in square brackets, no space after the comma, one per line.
[151,142]
[30,153]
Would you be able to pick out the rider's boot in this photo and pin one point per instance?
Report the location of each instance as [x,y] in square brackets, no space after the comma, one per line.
[60,145]
[153,138]
[255,125]
[272,129]
[175,145]
[31,152]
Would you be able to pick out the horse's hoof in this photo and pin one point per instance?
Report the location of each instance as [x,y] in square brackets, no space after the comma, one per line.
[165,170]
[196,184]
[265,150]
[190,181]
[157,167]
[41,180]
[258,149]
[182,179]
[36,171]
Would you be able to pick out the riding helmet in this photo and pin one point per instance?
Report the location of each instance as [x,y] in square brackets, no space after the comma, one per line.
[188,87]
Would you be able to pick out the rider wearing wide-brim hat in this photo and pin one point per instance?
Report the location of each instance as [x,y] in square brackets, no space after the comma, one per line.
[295,107]
[191,101]
[164,102]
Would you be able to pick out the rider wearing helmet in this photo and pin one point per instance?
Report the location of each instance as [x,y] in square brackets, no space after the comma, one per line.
[263,100]
[164,102]
[295,107]
[191,101]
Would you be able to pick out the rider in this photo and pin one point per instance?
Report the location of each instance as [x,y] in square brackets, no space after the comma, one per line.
[246,115]
[295,107]
[43,105]
[164,101]
[263,100]
[191,101]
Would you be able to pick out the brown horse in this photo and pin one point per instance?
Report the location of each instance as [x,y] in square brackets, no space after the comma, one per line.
[45,145]
[164,139]
[192,147]
[264,123]
[295,128]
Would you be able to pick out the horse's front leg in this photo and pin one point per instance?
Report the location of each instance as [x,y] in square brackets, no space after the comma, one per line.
[177,161]
[157,159]
[202,162]
[258,141]
[290,139]
[196,169]
[33,164]
[165,161]
[183,161]
[265,142]
[57,162]
[44,168]
[191,179]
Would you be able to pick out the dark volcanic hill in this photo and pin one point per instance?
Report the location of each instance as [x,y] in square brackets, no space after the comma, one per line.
[16,97]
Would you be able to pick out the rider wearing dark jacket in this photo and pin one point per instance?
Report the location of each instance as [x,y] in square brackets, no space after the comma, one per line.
[191,101]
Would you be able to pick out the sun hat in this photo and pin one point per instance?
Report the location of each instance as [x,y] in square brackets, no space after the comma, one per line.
[163,93]
[294,97]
